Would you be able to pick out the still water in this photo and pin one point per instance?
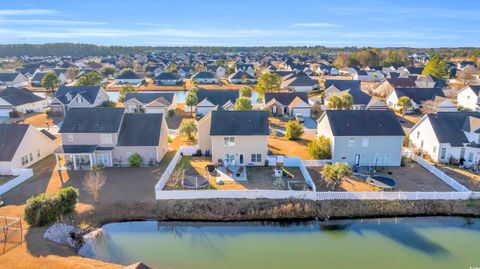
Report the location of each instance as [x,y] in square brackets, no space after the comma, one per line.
[180,95]
[375,243]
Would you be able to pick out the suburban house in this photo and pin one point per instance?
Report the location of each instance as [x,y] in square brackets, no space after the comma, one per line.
[210,99]
[218,70]
[235,137]
[363,137]
[205,77]
[287,103]
[387,86]
[128,77]
[155,102]
[241,77]
[109,136]
[420,95]
[249,68]
[21,100]
[448,136]
[300,83]
[67,97]
[342,85]
[22,145]
[469,98]
[36,80]
[185,71]
[360,99]
[429,81]
[167,78]
[13,79]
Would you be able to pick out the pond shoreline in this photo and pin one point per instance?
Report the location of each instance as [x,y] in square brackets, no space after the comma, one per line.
[239,210]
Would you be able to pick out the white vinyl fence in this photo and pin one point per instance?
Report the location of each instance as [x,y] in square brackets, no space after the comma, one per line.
[22,175]
[308,163]
[440,174]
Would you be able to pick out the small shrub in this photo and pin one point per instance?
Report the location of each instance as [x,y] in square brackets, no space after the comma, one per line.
[171,112]
[135,160]
[109,104]
[46,208]
[14,114]
[320,148]
[170,139]
[48,111]
[98,166]
[294,130]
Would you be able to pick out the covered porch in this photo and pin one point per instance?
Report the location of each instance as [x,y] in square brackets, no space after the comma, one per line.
[75,157]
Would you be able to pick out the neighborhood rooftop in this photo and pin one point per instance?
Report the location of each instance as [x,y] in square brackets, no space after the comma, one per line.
[239,123]
[92,120]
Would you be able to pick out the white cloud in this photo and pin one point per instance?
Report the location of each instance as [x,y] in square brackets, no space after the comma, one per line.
[24,12]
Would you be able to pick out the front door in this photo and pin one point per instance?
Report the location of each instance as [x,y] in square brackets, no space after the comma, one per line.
[241,159]
[357,159]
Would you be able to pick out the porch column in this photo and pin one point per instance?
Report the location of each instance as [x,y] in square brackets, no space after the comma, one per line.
[73,156]
[111,158]
[91,161]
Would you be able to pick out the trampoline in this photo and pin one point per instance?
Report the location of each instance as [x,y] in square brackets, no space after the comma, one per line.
[383,182]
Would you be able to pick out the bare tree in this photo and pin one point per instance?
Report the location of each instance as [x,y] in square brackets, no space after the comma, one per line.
[428,107]
[467,75]
[93,183]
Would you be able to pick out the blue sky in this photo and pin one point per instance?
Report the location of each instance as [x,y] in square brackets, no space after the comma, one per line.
[242,23]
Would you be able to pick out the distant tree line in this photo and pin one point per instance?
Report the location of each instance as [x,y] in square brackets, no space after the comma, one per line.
[77,49]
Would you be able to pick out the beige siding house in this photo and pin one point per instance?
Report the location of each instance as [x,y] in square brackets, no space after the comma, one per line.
[235,137]
[22,145]
[109,136]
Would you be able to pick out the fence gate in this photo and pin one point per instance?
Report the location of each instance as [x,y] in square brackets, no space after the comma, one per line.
[11,232]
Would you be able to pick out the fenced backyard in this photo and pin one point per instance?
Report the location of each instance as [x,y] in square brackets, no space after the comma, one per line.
[461,193]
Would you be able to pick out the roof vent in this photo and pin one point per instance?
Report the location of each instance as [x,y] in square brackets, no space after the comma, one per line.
[380,125]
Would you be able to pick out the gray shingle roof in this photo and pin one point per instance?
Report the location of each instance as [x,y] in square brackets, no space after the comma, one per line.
[166,76]
[92,120]
[343,84]
[148,97]
[218,97]
[285,98]
[364,123]
[448,126]
[19,96]
[300,80]
[89,93]
[401,82]
[128,75]
[203,75]
[240,75]
[239,123]
[419,95]
[8,76]
[11,136]
[140,130]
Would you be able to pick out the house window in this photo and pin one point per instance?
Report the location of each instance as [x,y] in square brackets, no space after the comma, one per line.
[106,138]
[365,141]
[38,153]
[256,158]
[24,160]
[70,137]
[388,157]
[462,153]
[344,157]
[79,99]
[229,141]
[230,158]
[31,156]
[470,157]
[418,134]
[351,142]
[434,149]
[443,153]
[378,158]
[102,158]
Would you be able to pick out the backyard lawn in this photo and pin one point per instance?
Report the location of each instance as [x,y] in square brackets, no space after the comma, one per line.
[463,176]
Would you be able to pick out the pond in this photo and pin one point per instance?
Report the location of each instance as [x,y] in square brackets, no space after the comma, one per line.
[436,242]
[181,95]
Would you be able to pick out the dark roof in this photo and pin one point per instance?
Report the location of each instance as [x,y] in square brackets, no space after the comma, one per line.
[203,75]
[19,96]
[166,76]
[358,96]
[218,97]
[48,134]
[401,82]
[76,149]
[364,123]
[128,75]
[140,130]
[38,76]
[11,136]
[414,70]
[343,84]
[89,93]
[148,97]
[8,76]
[300,80]
[419,95]
[92,120]
[241,74]
[239,123]
[285,98]
[448,126]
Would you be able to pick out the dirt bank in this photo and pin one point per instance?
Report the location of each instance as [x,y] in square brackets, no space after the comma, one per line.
[263,209]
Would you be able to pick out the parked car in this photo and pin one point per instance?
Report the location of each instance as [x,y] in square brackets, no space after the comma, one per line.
[299,118]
